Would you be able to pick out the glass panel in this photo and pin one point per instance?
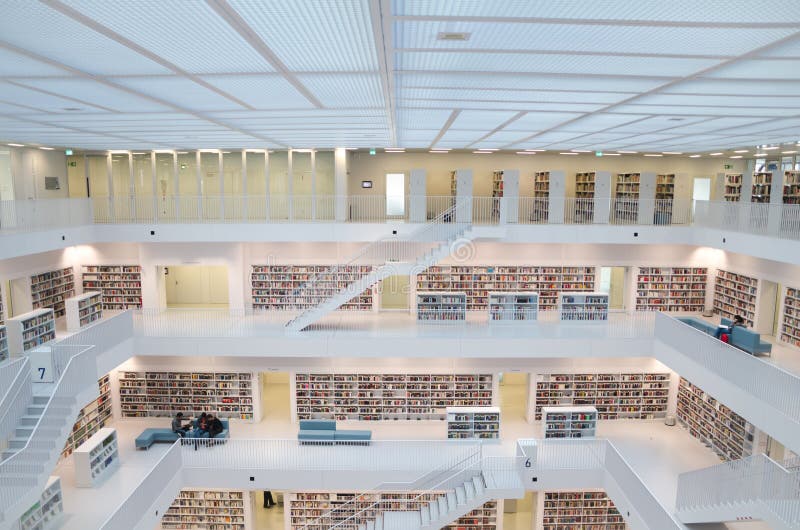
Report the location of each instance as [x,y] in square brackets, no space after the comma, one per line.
[761,164]
[165,185]
[232,172]
[256,174]
[786,163]
[301,185]
[324,167]
[76,177]
[142,175]
[187,174]
[278,184]
[121,175]
[98,176]
[395,194]
[209,174]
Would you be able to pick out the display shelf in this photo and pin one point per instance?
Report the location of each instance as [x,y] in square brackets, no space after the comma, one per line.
[51,289]
[671,289]
[633,395]
[541,194]
[665,195]
[791,187]
[274,286]
[569,422]
[584,195]
[91,418]
[96,458]
[207,509]
[733,187]
[513,307]
[121,285]
[3,344]
[31,330]
[477,281]
[725,432]
[735,294]
[442,306]
[306,508]
[790,327]
[626,203]
[583,306]
[473,422]
[83,309]
[224,394]
[47,512]
[377,397]
[762,187]
[580,510]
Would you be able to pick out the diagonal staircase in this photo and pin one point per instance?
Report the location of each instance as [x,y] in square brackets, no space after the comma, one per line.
[413,253]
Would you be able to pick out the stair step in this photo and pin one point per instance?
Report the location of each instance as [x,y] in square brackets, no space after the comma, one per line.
[443,507]
[41,400]
[461,495]
[424,514]
[29,419]
[477,482]
[452,501]
[24,431]
[469,489]
[433,510]
[36,410]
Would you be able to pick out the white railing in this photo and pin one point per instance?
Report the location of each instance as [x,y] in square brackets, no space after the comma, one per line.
[533,210]
[776,220]
[756,481]
[43,214]
[767,382]
[16,384]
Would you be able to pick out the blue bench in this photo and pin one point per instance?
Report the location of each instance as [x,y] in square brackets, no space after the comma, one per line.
[325,432]
[702,325]
[165,435]
[747,339]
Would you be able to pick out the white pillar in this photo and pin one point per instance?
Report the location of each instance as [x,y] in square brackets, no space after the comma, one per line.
[340,182]
[647,198]
[417,189]
[602,196]
[464,195]
[557,197]
[509,205]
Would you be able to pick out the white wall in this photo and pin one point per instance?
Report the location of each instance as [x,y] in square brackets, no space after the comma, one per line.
[29,167]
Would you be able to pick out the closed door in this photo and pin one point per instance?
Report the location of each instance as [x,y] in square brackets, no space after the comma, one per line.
[197,285]
[394,292]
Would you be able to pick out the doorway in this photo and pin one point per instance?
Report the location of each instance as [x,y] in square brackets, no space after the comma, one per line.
[267,518]
[518,514]
[612,283]
[395,194]
[514,388]
[701,189]
[196,286]
[276,406]
[768,304]
[394,292]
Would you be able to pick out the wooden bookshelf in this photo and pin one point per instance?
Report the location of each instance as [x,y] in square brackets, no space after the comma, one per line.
[790,327]
[273,286]
[579,510]
[121,285]
[47,512]
[4,344]
[497,193]
[584,197]
[513,307]
[569,422]
[733,187]
[96,458]
[31,330]
[725,432]
[626,203]
[379,397]
[306,508]
[208,509]
[614,395]
[91,418]
[83,309]
[665,196]
[671,289]
[541,194]
[51,289]
[477,281]
[441,307]
[791,187]
[735,294]
[583,306]
[473,422]
[762,187]
[224,394]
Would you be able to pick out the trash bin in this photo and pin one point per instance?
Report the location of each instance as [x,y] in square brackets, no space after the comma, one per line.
[669,420]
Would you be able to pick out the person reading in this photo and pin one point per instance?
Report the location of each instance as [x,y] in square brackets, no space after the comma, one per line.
[728,330]
[178,427]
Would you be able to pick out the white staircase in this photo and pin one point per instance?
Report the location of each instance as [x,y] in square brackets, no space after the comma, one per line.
[753,488]
[402,255]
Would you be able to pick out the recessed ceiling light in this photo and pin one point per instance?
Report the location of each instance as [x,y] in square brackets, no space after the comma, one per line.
[576,154]
[760,154]
[483,152]
[16,145]
[736,156]
[536,150]
[138,153]
[771,148]
[439,151]
[224,153]
[71,109]
[580,151]
[46,148]
[453,35]
[788,152]
[652,154]
[628,152]
[611,154]
[487,149]
[351,148]
[695,156]
[715,154]
[525,153]
[671,152]
[742,151]
[183,152]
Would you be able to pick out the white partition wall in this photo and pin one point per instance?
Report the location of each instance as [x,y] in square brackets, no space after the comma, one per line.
[558,192]
[602,196]
[417,189]
[647,196]
[509,203]
[464,195]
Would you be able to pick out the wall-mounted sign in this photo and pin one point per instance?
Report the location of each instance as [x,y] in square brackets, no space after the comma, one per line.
[52,183]
[366,183]
[68,152]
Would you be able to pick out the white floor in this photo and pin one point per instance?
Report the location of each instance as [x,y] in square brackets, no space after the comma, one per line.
[657,453]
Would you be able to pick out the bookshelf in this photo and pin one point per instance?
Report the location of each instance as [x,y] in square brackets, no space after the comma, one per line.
[96,458]
[626,203]
[541,195]
[120,285]
[473,422]
[497,193]
[91,418]
[665,195]
[51,289]
[159,394]
[3,344]
[441,307]
[583,306]
[2,314]
[733,187]
[273,286]
[584,197]
[212,509]
[513,307]
[579,510]
[46,513]
[718,427]
[790,327]
[735,294]
[762,186]
[378,397]
[31,330]
[791,187]
[477,281]
[671,289]
[569,422]
[83,309]
[615,395]
[306,508]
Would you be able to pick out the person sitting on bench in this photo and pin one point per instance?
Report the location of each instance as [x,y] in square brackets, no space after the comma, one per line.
[215,426]
[723,330]
[178,427]
[201,431]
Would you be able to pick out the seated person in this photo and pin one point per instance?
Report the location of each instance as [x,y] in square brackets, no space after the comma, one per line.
[737,321]
[178,427]
[201,431]
[214,426]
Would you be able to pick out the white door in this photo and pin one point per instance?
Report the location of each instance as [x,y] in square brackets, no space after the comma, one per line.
[395,195]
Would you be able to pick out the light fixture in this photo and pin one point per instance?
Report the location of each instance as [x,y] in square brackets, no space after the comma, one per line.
[695,156]
[118,152]
[482,152]
[671,152]
[715,154]
[536,150]
[611,154]
[162,151]
[760,154]
[182,152]
[742,151]
[351,148]
[525,153]
[46,148]
[487,149]
[228,152]
[735,156]
[771,148]
[137,153]
[16,145]
[652,154]
[788,152]
[441,151]
[628,152]
[576,154]
[579,151]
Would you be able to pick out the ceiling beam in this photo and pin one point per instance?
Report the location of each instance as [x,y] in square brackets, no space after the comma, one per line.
[446,126]
[380,17]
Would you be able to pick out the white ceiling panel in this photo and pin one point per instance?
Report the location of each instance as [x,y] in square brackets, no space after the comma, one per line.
[597,122]
[480,120]
[777,11]
[735,87]
[537,121]
[179,91]
[789,49]
[567,64]
[466,137]
[500,105]
[657,123]
[761,69]
[13,64]
[717,124]
[512,96]
[309,35]
[345,90]
[97,93]
[187,33]
[486,35]
[260,92]
[551,136]
[39,100]
[422,118]
[506,137]
[719,101]
[500,81]
[676,110]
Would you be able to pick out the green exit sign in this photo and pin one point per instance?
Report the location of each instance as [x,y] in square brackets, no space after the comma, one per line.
[728,166]
[73,164]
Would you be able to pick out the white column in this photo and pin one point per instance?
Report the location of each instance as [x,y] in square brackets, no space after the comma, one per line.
[417,189]
[244,185]
[199,176]
[464,195]
[266,184]
[340,182]
[602,196]
[313,184]
[509,205]
[557,197]
[110,181]
[155,186]
[221,177]
[290,183]
[647,198]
